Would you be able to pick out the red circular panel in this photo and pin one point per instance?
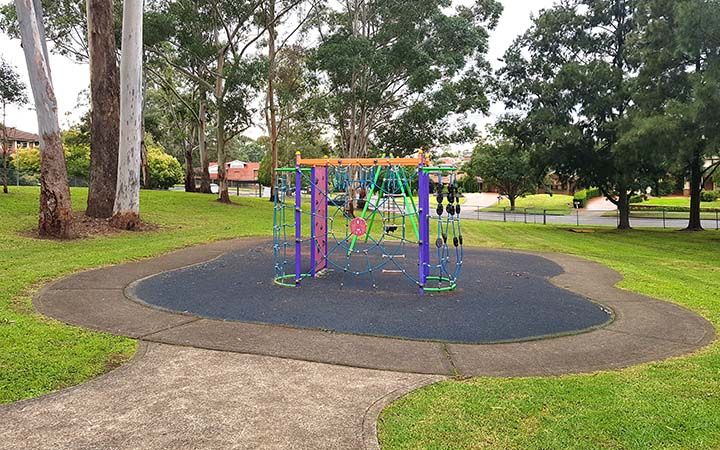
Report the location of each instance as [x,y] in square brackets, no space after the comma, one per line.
[358,226]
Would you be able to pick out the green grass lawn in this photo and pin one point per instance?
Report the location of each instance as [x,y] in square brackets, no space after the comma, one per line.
[668,215]
[556,204]
[670,202]
[38,355]
[677,201]
[673,404]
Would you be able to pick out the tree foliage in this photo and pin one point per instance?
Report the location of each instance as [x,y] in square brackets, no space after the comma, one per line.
[246,149]
[209,42]
[12,89]
[12,92]
[396,76]
[573,74]
[507,167]
[678,95]
[305,140]
[165,169]
[65,25]
[77,158]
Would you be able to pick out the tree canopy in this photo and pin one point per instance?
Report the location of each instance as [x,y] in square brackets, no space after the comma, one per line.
[573,74]
[395,76]
[678,94]
[12,89]
[617,95]
[507,167]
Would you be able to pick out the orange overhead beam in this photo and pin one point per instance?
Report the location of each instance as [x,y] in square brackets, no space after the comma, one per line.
[365,162]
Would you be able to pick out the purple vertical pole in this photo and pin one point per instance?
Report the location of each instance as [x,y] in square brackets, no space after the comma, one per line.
[313,219]
[319,219]
[423,211]
[298,220]
[321,226]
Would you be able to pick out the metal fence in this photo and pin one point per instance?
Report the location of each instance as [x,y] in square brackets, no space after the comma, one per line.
[667,218]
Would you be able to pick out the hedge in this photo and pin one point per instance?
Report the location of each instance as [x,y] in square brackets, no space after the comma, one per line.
[710,196]
[668,208]
[586,194]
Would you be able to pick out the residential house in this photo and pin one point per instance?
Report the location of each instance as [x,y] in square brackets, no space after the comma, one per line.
[238,174]
[17,139]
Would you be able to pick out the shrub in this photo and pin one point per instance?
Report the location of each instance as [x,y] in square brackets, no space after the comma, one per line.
[165,170]
[27,161]
[645,207]
[709,196]
[470,184]
[637,198]
[77,158]
[586,194]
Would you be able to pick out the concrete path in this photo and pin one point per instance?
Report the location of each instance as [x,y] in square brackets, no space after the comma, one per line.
[184,398]
[275,387]
[475,200]
[600,204]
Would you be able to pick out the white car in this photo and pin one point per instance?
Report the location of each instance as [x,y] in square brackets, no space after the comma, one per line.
[214,188]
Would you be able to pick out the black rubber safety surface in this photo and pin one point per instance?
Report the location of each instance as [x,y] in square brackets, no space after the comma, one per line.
[502,296]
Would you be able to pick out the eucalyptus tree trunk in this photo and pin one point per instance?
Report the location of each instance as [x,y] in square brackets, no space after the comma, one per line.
[202,147]
[55,217]
[271,114]
[104,109]
[126,212]
[6,151]
[224,195]
[189,172]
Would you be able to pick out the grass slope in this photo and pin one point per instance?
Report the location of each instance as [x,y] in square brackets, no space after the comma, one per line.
[673,404]
[38,355]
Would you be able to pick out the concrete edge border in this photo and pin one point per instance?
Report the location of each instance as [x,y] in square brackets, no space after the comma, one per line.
[644,329]
[370,419]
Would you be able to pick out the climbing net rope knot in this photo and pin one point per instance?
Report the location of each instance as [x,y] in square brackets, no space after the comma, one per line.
[368,218]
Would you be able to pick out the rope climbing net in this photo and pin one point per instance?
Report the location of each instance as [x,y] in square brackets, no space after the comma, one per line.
[368,218]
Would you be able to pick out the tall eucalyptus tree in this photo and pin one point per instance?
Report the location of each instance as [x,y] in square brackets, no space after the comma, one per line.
[126,210]
[55,207]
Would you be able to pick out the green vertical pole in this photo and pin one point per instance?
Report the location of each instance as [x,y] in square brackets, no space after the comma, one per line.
[413,220]
[404,222]
[367,204]
[374,213]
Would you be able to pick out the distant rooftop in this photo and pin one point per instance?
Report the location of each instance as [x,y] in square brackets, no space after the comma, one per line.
[237,171]
[13,134]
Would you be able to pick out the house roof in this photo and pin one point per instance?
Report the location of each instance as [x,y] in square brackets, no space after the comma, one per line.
[237,171]
[13,134]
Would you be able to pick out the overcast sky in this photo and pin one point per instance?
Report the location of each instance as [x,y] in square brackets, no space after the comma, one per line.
[71,79]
